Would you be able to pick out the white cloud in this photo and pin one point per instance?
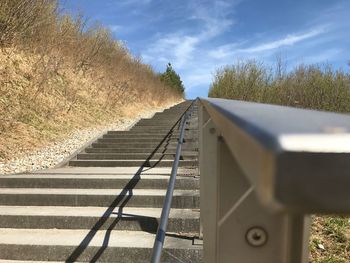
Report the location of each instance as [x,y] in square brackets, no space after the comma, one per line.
[322,57]
[216,17]
[200,79]
[176,47]
[286,41]
[179,47]
[115,28]
[235,49]
[132,2]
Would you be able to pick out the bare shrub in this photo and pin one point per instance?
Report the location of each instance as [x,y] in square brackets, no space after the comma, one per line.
[307,86]
[25,19]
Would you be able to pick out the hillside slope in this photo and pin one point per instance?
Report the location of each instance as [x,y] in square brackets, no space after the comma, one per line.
[39,107]
[57,75]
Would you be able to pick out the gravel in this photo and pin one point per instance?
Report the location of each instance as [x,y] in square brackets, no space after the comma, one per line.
[56,152]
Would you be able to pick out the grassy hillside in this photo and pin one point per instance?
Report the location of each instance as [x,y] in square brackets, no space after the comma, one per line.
[315,87]
[57,74]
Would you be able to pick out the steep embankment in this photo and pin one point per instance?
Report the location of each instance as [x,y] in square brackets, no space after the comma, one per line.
[40,103]
[58,75]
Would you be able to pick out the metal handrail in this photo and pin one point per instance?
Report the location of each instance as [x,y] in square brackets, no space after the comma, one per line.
[263,170]
[292,143]
[160,236]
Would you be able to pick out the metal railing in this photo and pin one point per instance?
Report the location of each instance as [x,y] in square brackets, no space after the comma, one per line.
[160,236]
[263,170]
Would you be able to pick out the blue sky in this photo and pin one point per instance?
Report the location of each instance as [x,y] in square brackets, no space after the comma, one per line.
[198,37]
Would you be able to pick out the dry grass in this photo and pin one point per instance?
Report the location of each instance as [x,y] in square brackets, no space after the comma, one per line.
[56,74]
[330,239]
[316,87]
[67,101]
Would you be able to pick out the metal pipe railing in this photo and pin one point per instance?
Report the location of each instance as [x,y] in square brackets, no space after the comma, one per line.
[160,236]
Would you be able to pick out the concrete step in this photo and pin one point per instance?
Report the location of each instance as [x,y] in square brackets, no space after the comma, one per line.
[133,134]
[149,133]
[115,171]
[148,151]
[137,127]
[158,120]
[159,127]
[138,140]
[146,134]
[138,136]
[151,145]
[144,140]
[135,156]
[90,246]
[127,163]
[169,124]
[152,128]
[131,150]
[97,197]
[125,139]
[87,181]
[177,108]
[169,121]
[171,113]
[133,145]
[95,218]
[154,122]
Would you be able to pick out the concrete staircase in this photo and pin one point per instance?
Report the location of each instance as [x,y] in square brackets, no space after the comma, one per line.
[151,142]
[104,206]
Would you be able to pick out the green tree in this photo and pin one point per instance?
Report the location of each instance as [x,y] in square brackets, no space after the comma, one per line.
[172,79]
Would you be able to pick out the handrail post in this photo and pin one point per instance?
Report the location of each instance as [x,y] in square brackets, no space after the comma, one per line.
[237,226]
[208,157]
